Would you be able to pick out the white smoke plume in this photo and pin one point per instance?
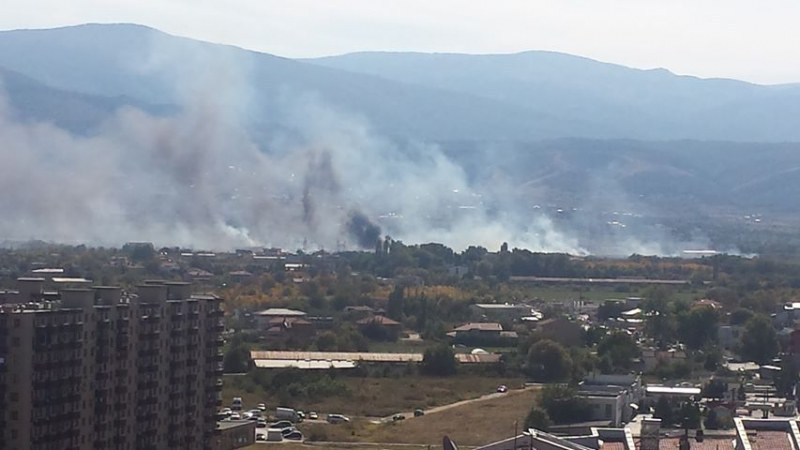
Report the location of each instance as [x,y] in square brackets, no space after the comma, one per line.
[199,178]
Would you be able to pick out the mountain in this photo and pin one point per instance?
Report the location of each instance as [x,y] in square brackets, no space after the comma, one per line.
[155,68]
[31,100]
[524,96]
[625,102]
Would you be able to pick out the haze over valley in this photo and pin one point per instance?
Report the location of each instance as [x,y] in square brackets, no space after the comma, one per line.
[116,133]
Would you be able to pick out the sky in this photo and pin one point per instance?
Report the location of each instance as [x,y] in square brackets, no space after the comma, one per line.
[742,39]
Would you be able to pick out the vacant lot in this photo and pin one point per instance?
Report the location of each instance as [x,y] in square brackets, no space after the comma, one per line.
[377,397]
[472,424]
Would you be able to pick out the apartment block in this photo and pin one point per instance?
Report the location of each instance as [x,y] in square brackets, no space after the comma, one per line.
[99,368]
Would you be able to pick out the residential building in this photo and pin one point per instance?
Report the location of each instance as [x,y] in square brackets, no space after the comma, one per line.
[489,334]
[264,319]
[561,330]
[388,327]
[611,397]
[99,368]
[233,434]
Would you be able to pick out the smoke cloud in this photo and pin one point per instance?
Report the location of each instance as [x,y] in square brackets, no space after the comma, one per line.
[199,178]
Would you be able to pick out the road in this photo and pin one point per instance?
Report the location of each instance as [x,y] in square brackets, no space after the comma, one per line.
[436,409]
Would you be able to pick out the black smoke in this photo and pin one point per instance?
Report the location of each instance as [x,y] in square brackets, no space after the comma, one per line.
[362,229]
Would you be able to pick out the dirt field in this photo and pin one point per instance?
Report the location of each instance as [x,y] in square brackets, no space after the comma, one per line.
[377,397]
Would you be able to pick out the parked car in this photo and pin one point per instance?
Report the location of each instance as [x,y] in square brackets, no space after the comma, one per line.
[286,431]
[235,416]
[337,418]
[261,437]
[313,415]
[294,436]
[502,388]
[262,407]
[397,417]
[281,425]
[236,404]
[419,412]
[261,423]
[301,415]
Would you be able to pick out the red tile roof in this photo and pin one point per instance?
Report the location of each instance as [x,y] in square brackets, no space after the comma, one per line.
[769,440]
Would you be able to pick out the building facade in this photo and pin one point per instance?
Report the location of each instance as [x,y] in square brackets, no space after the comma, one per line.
[100,369]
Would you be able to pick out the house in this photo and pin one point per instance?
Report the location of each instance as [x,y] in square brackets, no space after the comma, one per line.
[284,329]
[561,330]
[500,311]
[611,397]
[263,318]
[483,333]
[380,327]
[652,357]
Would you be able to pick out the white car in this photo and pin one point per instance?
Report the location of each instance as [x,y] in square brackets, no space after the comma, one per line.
[262,407]
[313,415]
[235,416]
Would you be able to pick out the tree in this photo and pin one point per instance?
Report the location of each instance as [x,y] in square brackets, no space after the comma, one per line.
[395,306]
[759,340]
[715,388]
[538,419]
[698,327]
[237,358]
[663,411]
[563,405]
[439,361]
[620,348]
[548,361]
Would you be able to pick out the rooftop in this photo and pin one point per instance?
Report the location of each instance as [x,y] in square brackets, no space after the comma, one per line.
[280,312]
[490,326]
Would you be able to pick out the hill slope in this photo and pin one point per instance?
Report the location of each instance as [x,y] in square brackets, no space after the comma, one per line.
[644,104]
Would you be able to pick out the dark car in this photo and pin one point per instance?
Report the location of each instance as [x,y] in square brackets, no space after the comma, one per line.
[419,412]
[397,417]
[294,436]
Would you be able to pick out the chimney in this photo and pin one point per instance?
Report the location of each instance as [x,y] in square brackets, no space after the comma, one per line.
[651,429]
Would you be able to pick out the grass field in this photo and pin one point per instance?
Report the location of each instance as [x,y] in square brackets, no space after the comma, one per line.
[377,397]
[472,424]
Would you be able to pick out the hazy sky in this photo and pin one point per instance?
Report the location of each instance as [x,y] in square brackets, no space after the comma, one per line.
[744,39]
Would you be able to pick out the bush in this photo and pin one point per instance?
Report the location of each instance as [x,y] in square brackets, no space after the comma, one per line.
[538,418]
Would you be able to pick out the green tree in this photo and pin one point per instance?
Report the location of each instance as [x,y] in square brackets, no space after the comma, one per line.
[548,361]
[439,361]
[237,358]
[538,418]
[663,411]
[759,340]
[396,303]
[698,327]
[563,405]
[620,348]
